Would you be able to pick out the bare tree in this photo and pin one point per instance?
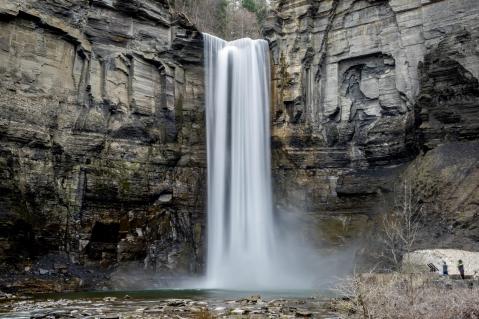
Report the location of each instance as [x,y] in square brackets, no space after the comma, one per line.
[402,225]
[351,291]
[243,24]
[228,19]
[202,13]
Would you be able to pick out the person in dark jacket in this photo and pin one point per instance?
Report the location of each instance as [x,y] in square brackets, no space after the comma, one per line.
[445,272]
[460,267]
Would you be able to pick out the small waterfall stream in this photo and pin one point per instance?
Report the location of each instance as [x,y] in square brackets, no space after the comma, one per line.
[241,241]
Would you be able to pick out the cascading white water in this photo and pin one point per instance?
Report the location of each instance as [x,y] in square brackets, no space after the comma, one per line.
[241,242]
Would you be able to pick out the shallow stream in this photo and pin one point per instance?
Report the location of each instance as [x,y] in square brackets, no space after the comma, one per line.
[170,303]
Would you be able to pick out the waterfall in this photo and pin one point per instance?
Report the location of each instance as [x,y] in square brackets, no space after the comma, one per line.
[241,241]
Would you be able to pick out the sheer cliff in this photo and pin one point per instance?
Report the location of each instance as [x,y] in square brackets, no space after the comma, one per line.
[360,89]
[102,152]
[102,133]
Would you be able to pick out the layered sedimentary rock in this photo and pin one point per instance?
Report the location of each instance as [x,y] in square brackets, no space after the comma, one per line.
[102,153]
[362,87]
[102,159]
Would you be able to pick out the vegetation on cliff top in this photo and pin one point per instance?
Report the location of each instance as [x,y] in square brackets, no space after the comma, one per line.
[228,19]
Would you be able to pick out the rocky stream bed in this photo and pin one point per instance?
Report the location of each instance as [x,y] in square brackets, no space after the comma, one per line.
[151,305]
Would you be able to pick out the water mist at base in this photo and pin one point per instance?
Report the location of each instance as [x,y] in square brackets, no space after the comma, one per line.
[250,248]
[245,251]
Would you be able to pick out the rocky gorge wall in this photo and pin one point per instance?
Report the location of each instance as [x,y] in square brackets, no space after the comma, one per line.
[102,151]
[360,89]
[102,134]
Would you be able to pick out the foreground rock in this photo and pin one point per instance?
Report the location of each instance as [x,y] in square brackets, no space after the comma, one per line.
[180,308]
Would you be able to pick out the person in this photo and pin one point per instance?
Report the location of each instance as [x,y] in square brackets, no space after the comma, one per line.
[444,269]
[460,267]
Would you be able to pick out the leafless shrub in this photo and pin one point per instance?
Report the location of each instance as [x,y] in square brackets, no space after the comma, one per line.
[400,228]
[204,314]
[404,296]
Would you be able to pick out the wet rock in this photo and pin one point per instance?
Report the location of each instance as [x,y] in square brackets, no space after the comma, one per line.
[193,309]
[154,311]
[304,313]
[239,311]
[276,302]
[165,198]
[6,296]
[251,300]
[60,268]
[149,309]
[200,303]
[43,271]
[176,303]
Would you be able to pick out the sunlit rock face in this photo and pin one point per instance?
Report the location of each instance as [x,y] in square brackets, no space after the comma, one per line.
[360,88]
[102,147]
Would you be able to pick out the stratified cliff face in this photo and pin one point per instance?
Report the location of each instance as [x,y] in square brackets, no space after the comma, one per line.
[102,153]
[361,88]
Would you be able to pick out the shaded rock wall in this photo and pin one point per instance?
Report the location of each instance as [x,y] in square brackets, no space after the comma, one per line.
[360,88]
[102,153]
[447,180]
